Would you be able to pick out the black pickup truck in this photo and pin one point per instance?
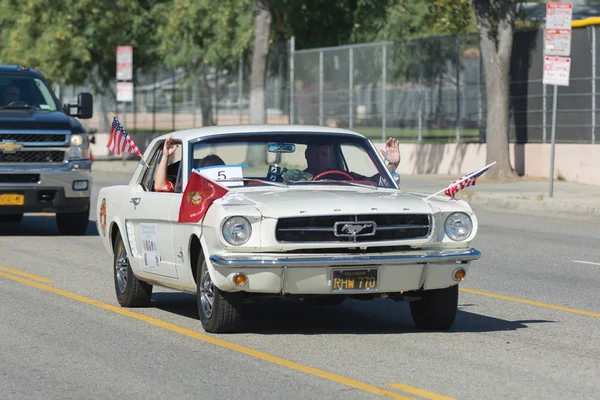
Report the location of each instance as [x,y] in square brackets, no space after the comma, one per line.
[44,152]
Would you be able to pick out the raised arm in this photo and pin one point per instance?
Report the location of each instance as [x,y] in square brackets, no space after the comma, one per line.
[160,178]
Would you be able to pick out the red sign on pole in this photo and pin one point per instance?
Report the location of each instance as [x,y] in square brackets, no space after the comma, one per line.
[124,63]
[556,71]
[558,15]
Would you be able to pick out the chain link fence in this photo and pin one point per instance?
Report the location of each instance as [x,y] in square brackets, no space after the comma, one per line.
[429,90]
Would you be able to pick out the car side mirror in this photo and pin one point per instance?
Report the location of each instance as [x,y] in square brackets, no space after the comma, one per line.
[85,106]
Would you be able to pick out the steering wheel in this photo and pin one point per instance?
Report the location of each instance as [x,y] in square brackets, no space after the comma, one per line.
[333,171]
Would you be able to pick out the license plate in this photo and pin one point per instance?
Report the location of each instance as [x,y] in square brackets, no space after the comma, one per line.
[343,280]
[11,199]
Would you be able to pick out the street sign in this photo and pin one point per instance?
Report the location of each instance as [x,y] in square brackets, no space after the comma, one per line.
[558,42]
[124,63]
[125,91]
[556,71]
[559,15]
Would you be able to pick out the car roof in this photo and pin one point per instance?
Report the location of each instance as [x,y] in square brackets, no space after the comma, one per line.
[20,70]
[189,134]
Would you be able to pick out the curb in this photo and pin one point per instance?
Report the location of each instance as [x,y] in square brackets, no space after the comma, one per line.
[555,207]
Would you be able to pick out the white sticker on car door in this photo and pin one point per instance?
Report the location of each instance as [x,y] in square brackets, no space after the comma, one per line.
[150,252]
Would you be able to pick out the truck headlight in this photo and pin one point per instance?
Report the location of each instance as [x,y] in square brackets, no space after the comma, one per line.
[80,146]
[458,226]
[237,231]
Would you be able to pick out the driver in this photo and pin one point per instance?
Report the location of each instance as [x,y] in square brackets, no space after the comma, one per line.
[10,94]
[319,158]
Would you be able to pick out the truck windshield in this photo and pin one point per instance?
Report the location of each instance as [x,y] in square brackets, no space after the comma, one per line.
[25,92]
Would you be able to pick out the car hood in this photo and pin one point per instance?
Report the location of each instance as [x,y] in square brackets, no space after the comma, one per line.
[280,202]
[37,119]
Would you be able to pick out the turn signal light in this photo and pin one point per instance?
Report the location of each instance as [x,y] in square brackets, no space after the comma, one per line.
[459,274]
[240,279]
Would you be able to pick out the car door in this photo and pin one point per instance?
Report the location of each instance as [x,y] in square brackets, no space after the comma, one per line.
[152,216]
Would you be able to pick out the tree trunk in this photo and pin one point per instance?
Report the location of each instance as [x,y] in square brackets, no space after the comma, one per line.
[206,101]
[258,109]
[496,48]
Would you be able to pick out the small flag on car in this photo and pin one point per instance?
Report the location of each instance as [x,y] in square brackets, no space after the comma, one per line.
[200,192]
[465,181]
[120,141]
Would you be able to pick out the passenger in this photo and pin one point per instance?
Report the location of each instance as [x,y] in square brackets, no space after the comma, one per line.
[162,183]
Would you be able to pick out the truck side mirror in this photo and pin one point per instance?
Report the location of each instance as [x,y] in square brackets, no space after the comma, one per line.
[85,105]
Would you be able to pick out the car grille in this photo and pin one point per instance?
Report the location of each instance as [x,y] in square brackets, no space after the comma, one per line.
[19,178]
[375,227]
[33,138]
[52,156]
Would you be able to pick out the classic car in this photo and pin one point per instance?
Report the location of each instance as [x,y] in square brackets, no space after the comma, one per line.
[320,233]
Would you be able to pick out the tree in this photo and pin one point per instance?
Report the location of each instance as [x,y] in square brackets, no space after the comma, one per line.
[495,21]
[203,37]
[260,52]
[75,42]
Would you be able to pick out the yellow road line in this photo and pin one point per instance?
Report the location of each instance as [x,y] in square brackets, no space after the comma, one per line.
[219,342]
[419,392]
[533,303]
[28,275]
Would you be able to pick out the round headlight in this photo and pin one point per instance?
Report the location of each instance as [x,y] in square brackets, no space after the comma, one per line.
[237,231]
[458,226]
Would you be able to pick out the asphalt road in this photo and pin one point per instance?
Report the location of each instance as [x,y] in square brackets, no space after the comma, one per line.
[66,337]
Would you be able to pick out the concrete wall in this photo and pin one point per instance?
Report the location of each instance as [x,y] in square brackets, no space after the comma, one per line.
[575,162]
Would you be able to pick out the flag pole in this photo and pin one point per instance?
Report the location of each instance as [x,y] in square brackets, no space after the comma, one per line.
[141,157]
[461,180]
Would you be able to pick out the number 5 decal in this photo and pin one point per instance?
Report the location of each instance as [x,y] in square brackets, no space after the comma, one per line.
[222,175]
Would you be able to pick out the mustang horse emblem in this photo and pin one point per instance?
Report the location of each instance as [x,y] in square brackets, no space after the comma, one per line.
[354,229]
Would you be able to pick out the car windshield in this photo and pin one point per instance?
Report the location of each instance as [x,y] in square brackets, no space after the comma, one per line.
[22,91]
[290,159]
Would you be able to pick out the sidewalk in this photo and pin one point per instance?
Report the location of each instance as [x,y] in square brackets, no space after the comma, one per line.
[527,196]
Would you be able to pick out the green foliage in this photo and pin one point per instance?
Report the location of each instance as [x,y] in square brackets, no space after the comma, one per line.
[68,41]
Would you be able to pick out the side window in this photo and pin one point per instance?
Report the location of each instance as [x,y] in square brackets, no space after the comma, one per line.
[148,177]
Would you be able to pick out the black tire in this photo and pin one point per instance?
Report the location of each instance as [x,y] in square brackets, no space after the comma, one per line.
[11,218]
[131,292]
[225,315]
[73,223]
[326,301]
[436,310]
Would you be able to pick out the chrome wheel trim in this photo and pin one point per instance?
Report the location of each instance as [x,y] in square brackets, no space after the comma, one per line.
[121,268]
[207,295]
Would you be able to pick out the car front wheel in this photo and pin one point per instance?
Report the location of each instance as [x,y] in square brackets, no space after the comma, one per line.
[220,312]
[131,292]
[436,310]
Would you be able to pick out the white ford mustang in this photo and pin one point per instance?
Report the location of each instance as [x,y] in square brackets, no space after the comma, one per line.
[309,212]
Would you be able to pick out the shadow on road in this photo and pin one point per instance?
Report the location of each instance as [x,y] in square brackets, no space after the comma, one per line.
[380,316]
[38,225]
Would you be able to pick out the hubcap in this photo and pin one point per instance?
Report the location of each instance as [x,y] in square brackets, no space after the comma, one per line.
[121,267]
[206,293]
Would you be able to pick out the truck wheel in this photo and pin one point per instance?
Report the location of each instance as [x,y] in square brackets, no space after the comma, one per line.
[436,310]
[131,292]
[73,223]
[14,218]
[220,312]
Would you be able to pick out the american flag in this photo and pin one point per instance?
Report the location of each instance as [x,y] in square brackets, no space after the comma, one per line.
[120,141]
[465,181]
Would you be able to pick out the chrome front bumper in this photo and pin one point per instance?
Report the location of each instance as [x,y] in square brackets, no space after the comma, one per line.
[420,257]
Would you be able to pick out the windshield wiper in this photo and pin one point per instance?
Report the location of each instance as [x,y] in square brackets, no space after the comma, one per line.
[16,107]
[333,180]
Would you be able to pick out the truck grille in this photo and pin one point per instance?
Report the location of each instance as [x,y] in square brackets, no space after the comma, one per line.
[52,156]
[33,138]
[340,228]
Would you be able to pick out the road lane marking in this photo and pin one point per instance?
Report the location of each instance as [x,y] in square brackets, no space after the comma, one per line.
[419,392]
[28,275]
[585,262]
[531,302]
[219,342]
